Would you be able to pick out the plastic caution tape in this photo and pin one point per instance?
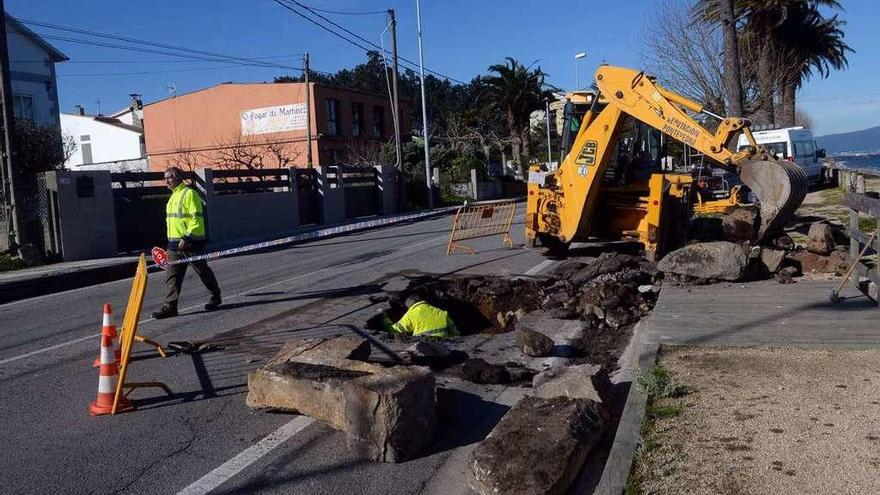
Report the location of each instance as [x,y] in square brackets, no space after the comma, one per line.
[160,257]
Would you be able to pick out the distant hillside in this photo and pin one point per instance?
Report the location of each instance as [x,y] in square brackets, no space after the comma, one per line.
[866,141]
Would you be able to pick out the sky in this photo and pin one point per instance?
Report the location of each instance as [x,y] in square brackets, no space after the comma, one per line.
[462,38]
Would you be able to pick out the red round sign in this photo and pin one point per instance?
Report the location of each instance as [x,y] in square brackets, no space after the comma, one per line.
[160,258]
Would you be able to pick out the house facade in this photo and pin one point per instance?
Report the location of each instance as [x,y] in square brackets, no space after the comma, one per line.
[32,74]
[263,125]
[112,142]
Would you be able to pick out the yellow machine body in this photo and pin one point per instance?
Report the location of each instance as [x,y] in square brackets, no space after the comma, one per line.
[576,202]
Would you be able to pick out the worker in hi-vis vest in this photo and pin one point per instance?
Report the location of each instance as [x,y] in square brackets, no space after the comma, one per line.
[185,225]
[423,320]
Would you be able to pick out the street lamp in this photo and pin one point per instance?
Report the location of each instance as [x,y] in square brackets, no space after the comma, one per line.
[577,77]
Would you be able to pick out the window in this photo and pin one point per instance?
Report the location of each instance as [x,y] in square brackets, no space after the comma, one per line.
[332,117]
[86,147]
[357,119]
[805,149]
[378,121]
[23,106]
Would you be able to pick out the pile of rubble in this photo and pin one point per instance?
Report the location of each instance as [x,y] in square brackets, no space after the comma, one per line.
[729,252]
[554,338]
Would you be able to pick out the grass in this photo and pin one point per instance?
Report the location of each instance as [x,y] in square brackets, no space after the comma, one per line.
[659,387]
[8,263]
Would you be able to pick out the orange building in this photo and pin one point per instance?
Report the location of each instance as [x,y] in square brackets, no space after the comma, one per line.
[263,125]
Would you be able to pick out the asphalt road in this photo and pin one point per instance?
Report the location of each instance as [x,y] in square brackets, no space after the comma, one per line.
[203,437]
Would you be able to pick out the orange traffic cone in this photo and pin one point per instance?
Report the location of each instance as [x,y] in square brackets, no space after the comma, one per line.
[108,375]
[108,327]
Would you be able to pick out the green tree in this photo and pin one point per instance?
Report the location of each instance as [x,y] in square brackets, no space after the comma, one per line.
[790,39]
[515,91]
[809,44]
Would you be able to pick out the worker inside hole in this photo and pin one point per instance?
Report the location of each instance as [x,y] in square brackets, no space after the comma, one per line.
[422,320]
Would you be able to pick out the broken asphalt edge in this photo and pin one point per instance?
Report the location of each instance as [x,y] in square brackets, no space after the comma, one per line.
[43,284]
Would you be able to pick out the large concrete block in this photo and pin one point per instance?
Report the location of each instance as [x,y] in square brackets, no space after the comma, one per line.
[538,447]
[390,416]
[307,376]
[310,389]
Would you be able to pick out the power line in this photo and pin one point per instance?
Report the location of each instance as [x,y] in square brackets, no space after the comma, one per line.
[129,61]
[126,39]
[348,13]
[412,64]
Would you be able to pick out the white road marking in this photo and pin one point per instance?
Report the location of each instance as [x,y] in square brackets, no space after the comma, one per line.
[247,457]
[539,267]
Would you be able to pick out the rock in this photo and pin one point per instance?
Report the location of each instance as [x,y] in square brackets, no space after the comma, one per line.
[604,264]
[563,313]
[617,318]
[786,275]
[771,260]
[808,262]
[783,242]
[649,289]
[583,381]
[741,224]
[479,371]
[538,447]
[534,344]
[820,239]
[708,261]
[518,373]
[390,416]
[307,377]
[429,349]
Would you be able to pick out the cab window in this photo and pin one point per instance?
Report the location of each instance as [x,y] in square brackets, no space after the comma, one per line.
[804,148]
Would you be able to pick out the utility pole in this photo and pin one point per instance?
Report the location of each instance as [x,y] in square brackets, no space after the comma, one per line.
[7,153]
[395,104]
[547,115]
[308,111]
[424,107]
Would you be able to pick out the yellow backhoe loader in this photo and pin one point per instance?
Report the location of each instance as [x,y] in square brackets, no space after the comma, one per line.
[611,184]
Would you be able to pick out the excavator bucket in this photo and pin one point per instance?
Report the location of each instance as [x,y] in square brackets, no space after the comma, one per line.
[780,187]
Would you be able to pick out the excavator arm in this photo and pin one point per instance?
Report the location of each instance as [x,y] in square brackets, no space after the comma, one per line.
[563,208]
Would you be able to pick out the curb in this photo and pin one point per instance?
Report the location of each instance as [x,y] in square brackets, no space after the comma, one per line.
[60,282]
[626,438]
[75,279]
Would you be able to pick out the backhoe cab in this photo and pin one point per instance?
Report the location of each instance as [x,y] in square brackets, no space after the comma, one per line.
[611,184]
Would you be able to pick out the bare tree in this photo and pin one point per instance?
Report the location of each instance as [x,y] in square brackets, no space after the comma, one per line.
[363,154]
[685,54]
[239,152]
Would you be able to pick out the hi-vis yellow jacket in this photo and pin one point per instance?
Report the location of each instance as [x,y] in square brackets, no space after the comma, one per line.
[422,319]
[184,216]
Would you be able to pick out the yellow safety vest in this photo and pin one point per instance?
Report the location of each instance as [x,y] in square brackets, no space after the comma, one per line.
[422,319]
[184,215]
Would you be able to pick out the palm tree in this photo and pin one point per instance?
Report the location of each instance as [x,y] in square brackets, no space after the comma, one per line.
[809,44]
[732,78]
[515,91]
[775,29]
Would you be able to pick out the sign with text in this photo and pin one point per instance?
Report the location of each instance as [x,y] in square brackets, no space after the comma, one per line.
[273,119]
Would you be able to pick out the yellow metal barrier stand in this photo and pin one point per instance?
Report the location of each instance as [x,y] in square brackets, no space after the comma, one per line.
[128,334]
[475,221]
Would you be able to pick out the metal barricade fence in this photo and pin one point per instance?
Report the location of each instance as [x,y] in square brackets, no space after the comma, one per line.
[481,220]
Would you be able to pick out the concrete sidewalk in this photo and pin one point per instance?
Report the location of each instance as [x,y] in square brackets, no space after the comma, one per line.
[59,277]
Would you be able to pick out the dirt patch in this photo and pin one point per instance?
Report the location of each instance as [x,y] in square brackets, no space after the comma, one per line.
[755,421]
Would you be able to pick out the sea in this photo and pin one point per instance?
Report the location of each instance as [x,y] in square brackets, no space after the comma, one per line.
[859,161]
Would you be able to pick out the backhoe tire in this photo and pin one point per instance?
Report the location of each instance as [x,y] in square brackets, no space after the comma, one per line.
[552,247]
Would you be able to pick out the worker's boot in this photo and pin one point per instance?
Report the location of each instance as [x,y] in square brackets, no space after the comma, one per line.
[166,311]
[214,302]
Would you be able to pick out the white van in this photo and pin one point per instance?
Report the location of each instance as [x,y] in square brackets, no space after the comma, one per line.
[794,144]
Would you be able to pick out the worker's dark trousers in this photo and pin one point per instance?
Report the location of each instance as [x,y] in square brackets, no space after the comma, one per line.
[175,273]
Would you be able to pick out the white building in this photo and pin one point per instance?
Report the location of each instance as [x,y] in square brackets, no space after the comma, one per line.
[106,142]
[32,73]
